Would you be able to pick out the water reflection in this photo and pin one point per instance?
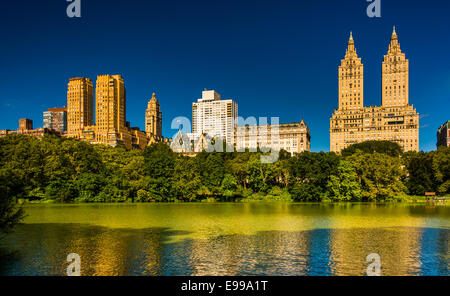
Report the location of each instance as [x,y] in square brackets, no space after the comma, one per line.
[104,251]
[229,239]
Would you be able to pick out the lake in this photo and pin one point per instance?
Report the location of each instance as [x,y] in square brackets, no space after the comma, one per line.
[230,239]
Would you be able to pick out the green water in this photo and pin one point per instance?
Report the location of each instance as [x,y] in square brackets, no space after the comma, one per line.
[230,239]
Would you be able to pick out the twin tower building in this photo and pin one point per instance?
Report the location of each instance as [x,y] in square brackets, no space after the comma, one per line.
[111,127]
[395,120]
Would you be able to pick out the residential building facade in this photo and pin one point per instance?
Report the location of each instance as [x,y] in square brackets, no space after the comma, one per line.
[395,120]
[56,119]
[110,111]
[80,105]
[214,117]
[111,127]
[292,137]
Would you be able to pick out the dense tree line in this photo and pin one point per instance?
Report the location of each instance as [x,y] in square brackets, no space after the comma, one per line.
[68,170]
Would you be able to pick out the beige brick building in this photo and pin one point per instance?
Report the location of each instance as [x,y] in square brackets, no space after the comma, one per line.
[80,105]
[293,137]
[111,127]
[110,120]
[395,120]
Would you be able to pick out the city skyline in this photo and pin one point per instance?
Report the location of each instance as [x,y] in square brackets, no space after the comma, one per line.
[280,61]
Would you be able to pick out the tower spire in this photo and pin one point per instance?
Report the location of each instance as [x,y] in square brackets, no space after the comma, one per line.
[351,43]
[394,34]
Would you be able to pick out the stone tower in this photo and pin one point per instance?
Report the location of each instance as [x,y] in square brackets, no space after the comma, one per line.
[351,72]
[153,118]
[395,75]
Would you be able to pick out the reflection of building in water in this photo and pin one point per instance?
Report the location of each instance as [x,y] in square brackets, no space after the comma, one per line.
[108,257]
[283,253]
[397,246]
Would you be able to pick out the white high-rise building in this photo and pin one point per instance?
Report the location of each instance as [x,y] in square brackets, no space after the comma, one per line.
[214,117]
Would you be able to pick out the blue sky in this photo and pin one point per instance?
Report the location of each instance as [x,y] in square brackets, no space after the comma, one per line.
[275,58]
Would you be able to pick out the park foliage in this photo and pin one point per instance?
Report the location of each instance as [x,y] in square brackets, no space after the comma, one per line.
[55,169]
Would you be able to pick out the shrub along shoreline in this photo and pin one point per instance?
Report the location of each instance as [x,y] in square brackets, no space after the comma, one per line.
[70,171]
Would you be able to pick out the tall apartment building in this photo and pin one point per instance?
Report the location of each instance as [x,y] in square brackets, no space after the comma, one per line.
[111,127]
[80,105]
[110,111]
[153,119]
[443,135]
[56,119]
[395,120]
[293,137]
[214,117]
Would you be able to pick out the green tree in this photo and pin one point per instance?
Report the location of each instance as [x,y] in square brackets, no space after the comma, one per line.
[260,175]
[211,167]
[441,167]
[380,175]
[420,178]
[159,162]
[309,174]
[10,214]
[385,147]
[229,186]
[186,179]
[344,185]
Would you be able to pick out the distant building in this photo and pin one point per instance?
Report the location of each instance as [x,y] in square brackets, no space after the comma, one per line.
[189,145]
[292,137]
[56,119]
[111,127]
[25,124]
[80,106]
[395,120]
[26,128]
[443,135]
[110,112]
[214,117]
[153,119]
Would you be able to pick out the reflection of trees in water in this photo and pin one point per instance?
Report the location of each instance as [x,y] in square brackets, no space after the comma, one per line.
[41,249]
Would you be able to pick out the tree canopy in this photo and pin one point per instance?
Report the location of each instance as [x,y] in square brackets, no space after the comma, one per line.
[67,170]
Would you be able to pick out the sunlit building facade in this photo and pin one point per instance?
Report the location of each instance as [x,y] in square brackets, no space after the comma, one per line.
[395,120]
[214,117]
[80,105]
[292,137]
[111,127]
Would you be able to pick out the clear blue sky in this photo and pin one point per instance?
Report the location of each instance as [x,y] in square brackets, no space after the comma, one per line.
[275,58]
